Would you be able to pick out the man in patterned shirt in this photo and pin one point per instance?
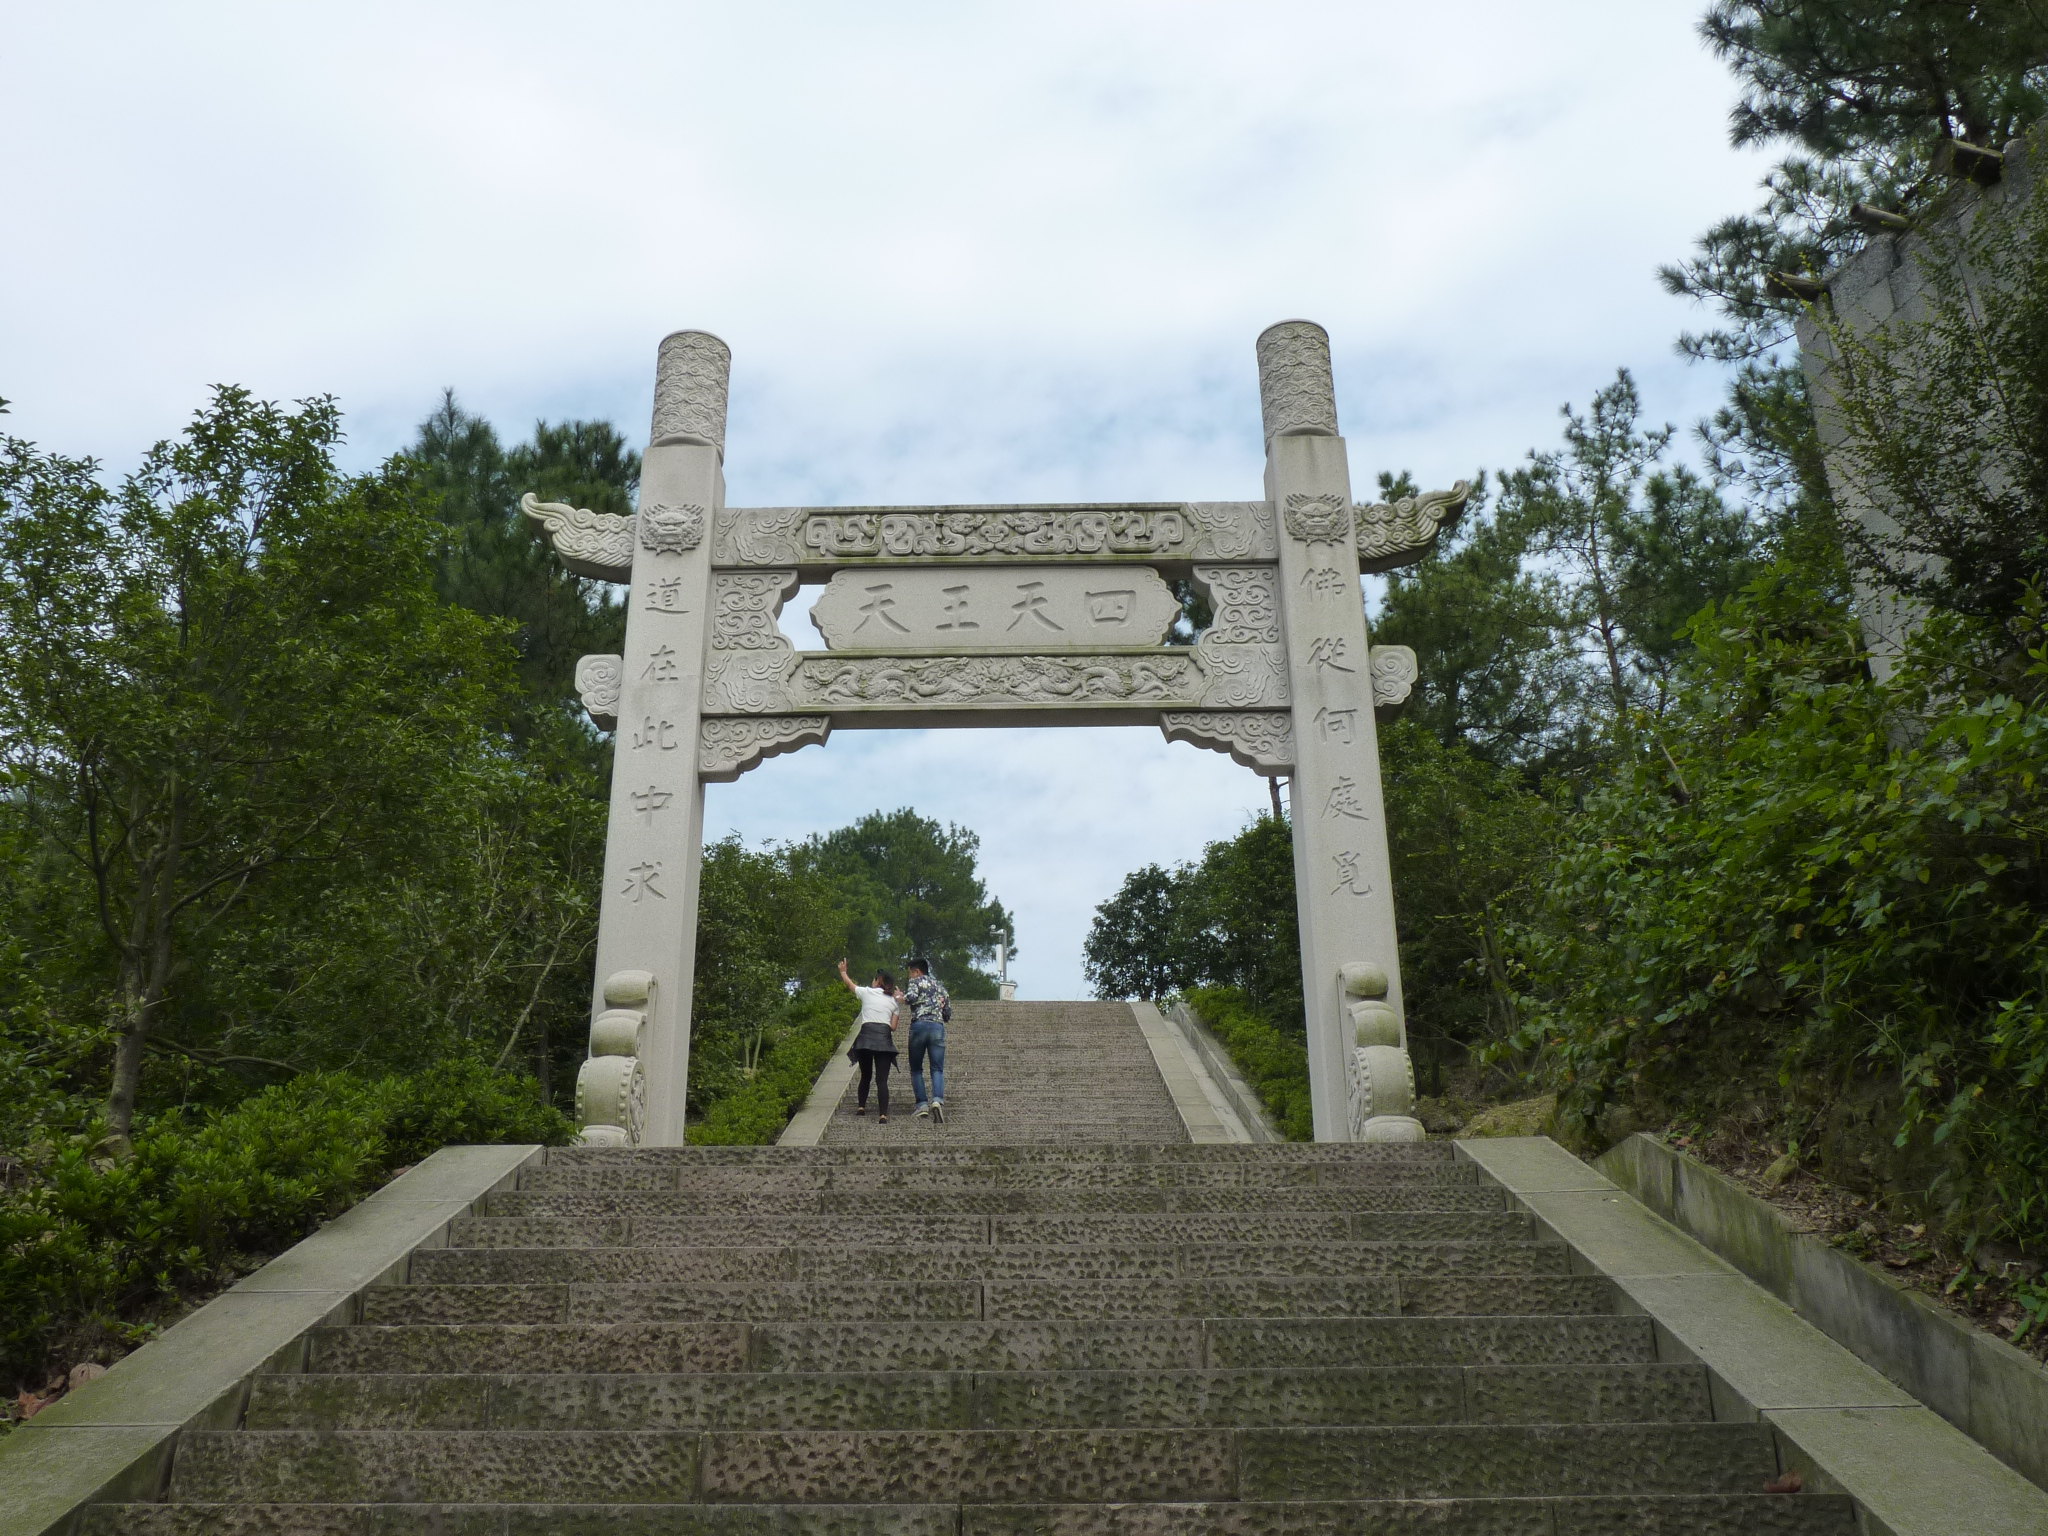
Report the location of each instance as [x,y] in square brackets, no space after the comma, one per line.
[928,1005]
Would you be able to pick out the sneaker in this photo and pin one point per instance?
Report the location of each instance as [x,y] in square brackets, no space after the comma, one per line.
[939,1111]
[921,1111]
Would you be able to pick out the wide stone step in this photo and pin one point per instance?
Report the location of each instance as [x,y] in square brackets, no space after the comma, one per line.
[1622,1515]
[969,1466]
[1002,1261]
[1242,1296]
[1076,1175]
[1375,1154]
[1403,1196]
[1167,1344]
[989,1399]
[1047,1231]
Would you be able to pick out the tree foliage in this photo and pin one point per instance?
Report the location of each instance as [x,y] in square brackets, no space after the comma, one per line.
[232,669]
[906,885]
[1866,95]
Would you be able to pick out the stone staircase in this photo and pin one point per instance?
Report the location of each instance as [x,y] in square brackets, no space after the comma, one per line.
[1078,1337]
[1019,1074]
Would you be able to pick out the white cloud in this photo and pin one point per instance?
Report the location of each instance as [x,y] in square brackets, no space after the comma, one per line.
[961,252]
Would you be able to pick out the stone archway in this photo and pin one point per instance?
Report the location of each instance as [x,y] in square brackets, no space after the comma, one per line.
[987,615]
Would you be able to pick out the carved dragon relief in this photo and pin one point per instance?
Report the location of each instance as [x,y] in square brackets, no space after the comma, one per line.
[1261,740]
[830,536]
[1398,533]
[728,747]
[594,544]
[780,683]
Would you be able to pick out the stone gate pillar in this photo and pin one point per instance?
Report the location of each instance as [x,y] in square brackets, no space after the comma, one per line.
[1342,874]
[647,924]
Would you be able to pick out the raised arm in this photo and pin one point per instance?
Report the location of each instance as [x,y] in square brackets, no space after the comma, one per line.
[851,985]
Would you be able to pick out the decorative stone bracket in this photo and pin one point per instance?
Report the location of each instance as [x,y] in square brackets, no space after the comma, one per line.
[1261,740]
[611,1087]
[1381,1075]
[730,745]
[1398,533]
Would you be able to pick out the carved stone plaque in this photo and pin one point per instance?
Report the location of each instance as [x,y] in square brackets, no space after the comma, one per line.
[1034,608]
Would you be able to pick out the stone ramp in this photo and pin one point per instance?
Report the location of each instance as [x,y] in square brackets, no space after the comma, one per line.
[1028,1073]
[930,1335]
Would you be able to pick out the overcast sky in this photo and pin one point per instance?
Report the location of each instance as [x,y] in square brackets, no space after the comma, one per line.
[962,252]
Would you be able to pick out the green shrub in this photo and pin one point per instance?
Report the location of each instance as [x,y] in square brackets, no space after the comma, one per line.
[1820,906]
[803,1040]
[1273,1063]
[95,1250]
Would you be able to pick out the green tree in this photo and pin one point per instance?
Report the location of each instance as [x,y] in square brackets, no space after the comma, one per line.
[497,562]
[1498,676]
[1637,544]
[233,665]
[1137,945]
[1869,96]
[909,886]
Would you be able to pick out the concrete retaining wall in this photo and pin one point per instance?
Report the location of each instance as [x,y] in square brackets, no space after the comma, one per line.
[1992,1392]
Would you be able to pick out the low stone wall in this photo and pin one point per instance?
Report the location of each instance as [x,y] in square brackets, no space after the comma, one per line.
[1992,1392]
[1258,1120]
[112,1438]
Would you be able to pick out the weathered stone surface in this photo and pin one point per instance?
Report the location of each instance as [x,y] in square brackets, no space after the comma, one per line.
[1591,1394]
[1466,1295]
[761,1303]
[1076,1346]
[1436,1518]
[1709,1515]
[1273,1342]
[983,1466]
[479,1467]
[1256,1297]
[1085,1399]
[1473,1461]
[546,1347]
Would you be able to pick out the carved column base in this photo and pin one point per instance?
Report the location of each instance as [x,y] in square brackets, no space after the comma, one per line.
[611,1086]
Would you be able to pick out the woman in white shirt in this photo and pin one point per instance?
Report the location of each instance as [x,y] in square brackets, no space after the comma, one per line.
[874,1048]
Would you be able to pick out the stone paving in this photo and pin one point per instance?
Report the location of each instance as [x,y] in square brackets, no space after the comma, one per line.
[929,1331]
[1028,1073]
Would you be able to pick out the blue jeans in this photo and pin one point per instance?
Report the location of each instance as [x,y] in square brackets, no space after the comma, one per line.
[928,1039]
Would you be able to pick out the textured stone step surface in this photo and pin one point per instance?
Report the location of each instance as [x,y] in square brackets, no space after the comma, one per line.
[1624,1515]
[1052,1317]
[1019,1073]
[977,1261]
[1387,1395]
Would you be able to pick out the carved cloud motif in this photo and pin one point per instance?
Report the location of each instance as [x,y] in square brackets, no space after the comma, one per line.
[1394,672]
[598,680]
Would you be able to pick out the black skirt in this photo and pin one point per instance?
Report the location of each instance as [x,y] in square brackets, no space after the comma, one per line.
[873,1037]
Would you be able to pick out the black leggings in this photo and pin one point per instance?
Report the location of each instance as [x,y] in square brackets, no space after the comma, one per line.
[876,1065]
